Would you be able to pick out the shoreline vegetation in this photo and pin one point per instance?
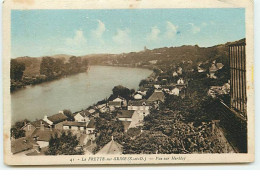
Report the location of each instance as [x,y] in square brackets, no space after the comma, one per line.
[50,68]
[184,118]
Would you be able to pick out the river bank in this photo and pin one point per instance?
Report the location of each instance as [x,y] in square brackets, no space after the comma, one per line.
[75,92]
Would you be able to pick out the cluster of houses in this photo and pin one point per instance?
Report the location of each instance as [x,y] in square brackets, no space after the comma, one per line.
[39,132]
[215,91]
[211,70]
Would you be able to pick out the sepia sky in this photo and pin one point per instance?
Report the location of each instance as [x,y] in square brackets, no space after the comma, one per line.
[80,32]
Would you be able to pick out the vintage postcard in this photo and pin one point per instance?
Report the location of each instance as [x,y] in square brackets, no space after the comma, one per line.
[128,82]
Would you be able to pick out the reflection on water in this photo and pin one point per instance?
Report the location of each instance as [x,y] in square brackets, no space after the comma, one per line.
[74,92]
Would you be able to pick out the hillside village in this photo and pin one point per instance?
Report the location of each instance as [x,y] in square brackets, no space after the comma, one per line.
[171,112]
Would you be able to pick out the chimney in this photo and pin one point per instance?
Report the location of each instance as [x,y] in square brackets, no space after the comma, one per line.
[42,126]
[112,138]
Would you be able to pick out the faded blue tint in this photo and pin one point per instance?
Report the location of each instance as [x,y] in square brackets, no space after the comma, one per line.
[76,32]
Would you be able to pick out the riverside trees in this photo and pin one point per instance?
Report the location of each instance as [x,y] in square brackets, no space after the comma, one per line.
[50,68]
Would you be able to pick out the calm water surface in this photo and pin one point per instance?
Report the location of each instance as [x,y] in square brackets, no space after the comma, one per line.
[74,92]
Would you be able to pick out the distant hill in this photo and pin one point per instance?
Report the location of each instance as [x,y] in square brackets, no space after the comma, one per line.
[162,56]
[32,64]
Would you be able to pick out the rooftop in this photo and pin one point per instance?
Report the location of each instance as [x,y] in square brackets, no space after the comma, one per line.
[56,118]
[91,124]
[114,103]
[78,124]
[45,135]
[125,114]
[111,148]
[22,144]
[84,113]
[139,103]
[157,95]
[38,123]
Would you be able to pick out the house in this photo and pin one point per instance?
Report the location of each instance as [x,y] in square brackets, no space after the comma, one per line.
[112,148]
[54,119]
[142,91]
[166,90]
[215,90]
[175,91]
[219,65]
[201,70]
[157,86]
[91,126]
[212,71]
[174,74]
[43,136]
[157,96]
[125,115]
[113,105]
[75,126]
[138,96]
[102,108]
[226,88]
[23,145]
[130,118]
[31,126]
[91,111]
[153,61]
[141,106]
[82,116]
[180,81]
[121,100]
[179,70]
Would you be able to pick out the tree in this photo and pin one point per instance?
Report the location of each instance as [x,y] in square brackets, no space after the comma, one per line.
[16,130]
[106,127]
[16,70]
[66,144]
[17,133]
[121,91]
[143,82]
[47,67]
[69,114]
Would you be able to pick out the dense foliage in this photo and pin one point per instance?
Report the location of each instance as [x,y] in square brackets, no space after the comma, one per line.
[16,129]
[66,144]
[106,127]
[69,114]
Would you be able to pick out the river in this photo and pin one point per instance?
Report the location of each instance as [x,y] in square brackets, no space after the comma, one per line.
[75,92]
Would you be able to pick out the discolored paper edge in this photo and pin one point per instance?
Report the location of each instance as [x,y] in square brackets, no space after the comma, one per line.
[10,159]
